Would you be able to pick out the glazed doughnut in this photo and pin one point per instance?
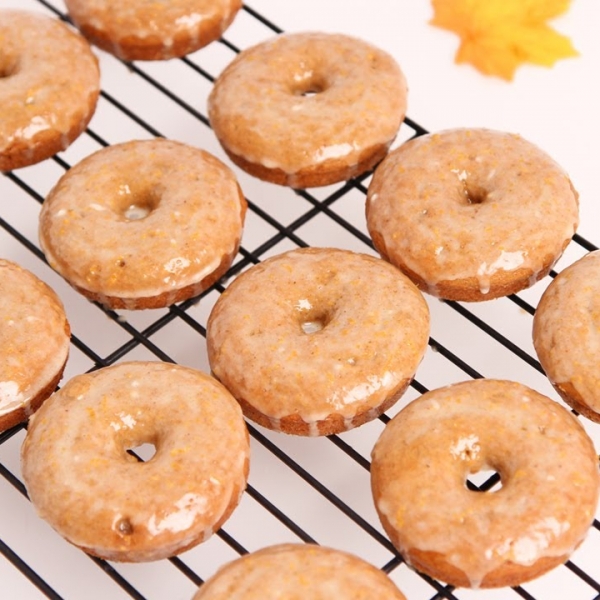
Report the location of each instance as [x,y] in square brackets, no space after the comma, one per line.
[308,109]
[565,334]
[141,30]
[143,224]
[299,571]
[317,341]
[85,484]
[549,483]
[50,85]
[34,343]
[471,214]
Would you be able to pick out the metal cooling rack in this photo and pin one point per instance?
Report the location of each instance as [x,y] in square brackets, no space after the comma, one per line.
[310,490]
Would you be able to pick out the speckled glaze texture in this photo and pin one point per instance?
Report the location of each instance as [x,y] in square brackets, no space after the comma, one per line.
[143,224]
[299,572]
[317,341]
[152,29]
[471,214]
[308,109]
[549,475]
[81,479]
[34,343]
[566,334]
[49,86]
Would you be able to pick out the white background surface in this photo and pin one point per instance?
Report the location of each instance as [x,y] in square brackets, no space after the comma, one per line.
[555,108]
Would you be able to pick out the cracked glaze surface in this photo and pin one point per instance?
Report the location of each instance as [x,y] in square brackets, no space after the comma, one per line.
[471,214]
[549,475]
[83,482]
[144,223]
[318,334]
[49,85]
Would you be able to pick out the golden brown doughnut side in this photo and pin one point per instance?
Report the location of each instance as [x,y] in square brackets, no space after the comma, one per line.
[575,400]
[537,516]
[152,31]
[165,298]
[468,289]
[565,334]
[316,341]
[436,565]
[327,173]
[300,571]
[170,297]
[308,109]
[22,413]
[459,212]
[50,87]
[43,145]
[329,425]
[82,480]
[167,217]
[34,343]
[510,574]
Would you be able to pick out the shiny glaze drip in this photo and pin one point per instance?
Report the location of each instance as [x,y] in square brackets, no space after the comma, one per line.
[471,204]
[546,461]
[358,103]
[34,337]
[193,214]
[164,28]
[373,333]
[52,84]
[82,480]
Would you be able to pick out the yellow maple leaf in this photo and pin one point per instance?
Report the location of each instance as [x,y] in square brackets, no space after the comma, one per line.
[497,36]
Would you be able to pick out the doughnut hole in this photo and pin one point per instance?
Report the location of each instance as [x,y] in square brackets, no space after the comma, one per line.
[308,84]
[484,480]
[482,469]
[9,65]
[470,190]
[314,320]
[138,444]
[144,451]
[475,194]
[135,206]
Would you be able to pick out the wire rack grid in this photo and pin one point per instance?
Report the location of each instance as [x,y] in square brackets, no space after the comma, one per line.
[300,490]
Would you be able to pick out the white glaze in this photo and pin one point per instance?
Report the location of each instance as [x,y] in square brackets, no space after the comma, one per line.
[187,509]
[82,481]
[318,332]
[140,219]
[138,29]
[547,464]
[531,544]
[34,340]
[10,395]
[471,204]
[466,448]
[358,106]
[51,91]
[507,261]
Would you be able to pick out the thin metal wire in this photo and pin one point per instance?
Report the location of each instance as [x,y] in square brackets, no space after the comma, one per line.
[180,312]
